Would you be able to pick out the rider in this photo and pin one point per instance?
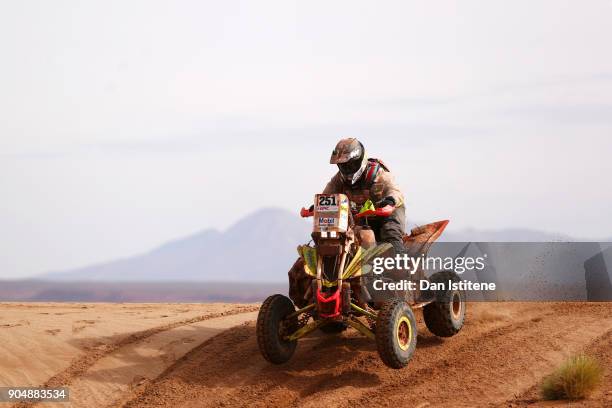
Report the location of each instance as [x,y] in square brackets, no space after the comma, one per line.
[362,178]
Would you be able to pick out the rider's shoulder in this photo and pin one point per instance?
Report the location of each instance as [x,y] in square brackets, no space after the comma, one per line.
[375,171]
[374,162]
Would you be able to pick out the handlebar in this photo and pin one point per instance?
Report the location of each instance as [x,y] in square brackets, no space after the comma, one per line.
[379,212]
[305,212]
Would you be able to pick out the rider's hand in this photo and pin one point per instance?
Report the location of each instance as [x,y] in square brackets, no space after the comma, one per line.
[311,208]
[385,202]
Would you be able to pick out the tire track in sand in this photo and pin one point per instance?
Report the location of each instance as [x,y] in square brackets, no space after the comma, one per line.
[80,365]
[497,365]
[503,349]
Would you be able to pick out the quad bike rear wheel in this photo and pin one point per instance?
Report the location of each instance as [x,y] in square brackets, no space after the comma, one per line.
[445,316]
[396,333]
[273,324]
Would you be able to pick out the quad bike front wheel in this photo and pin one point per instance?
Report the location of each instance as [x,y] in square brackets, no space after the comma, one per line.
[273,324]
[396,333]
[445,316]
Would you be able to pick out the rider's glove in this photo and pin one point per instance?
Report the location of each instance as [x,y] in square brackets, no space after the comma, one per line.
[311,208]
[385,202]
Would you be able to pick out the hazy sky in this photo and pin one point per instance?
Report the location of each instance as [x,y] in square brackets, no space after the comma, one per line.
[124,124]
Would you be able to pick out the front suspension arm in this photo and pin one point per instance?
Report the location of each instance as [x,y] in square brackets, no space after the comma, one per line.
[301,332]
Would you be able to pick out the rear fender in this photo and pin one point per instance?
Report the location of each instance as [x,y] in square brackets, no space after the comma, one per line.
[421,238]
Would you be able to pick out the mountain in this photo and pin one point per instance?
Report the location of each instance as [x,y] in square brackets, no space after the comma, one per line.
[259,248]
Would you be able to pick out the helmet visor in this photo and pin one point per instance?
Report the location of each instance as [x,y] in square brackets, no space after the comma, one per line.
[350,167]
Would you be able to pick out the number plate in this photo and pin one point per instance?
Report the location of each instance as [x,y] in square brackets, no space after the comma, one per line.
[327,203]
[331,213]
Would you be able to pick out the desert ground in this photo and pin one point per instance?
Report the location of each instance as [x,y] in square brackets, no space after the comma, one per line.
[205,355]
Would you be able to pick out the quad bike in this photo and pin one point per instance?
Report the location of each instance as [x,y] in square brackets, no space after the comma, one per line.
[335,269]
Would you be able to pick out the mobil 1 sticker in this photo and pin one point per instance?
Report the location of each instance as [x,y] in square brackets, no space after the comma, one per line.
[327,221]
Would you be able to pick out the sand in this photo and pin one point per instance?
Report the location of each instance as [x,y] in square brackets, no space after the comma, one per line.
[205,355]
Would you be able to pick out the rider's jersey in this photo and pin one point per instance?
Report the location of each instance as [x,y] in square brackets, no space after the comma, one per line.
[375,184]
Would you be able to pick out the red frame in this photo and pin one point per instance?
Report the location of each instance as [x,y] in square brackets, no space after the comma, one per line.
[335,297]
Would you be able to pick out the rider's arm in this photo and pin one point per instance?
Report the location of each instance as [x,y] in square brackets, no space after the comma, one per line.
[389,187]
[334,186]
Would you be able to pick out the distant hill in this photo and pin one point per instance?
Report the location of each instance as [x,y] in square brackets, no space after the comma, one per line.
[259,248]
